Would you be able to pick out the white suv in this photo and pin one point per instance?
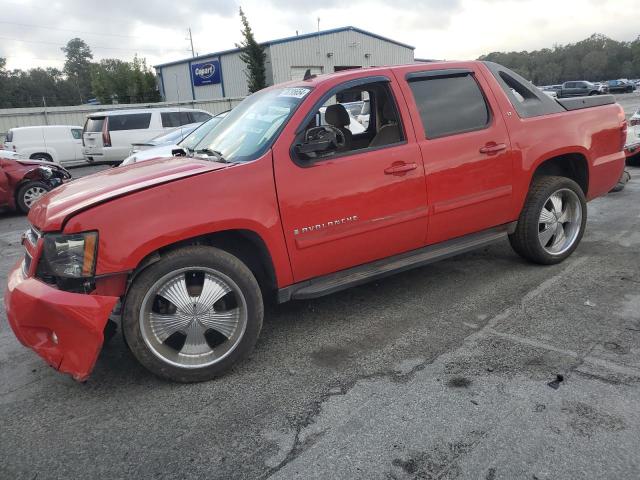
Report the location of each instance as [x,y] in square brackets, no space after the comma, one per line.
[52,143]
[107,136]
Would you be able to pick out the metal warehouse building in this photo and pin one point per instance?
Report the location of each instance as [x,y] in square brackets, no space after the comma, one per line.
[222,74]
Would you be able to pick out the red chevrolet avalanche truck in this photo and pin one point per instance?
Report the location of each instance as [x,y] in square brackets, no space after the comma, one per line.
[286,199]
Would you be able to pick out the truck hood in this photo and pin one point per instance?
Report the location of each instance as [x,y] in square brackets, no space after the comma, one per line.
[51,211]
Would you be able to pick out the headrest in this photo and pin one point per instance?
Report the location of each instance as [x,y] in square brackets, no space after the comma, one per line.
[337,115]
[388,112]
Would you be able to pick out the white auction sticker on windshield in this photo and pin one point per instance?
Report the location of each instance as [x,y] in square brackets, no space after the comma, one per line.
[294,92]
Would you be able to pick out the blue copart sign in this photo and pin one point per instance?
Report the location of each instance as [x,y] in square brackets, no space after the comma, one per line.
[207,73]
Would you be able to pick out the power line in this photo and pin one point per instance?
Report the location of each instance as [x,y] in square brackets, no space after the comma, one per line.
[69,30]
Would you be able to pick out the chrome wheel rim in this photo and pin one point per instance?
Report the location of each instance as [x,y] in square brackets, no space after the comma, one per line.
[193,317]
[32,194]
[560,221]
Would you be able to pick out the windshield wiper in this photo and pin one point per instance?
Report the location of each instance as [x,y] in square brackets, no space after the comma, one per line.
[213,153]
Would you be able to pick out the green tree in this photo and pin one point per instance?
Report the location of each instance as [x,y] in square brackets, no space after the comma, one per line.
[253,56]
[118,81]
[78,65]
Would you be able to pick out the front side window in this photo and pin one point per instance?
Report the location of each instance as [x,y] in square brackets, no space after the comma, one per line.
[250,128]
[450,105]
[76,133]
[359,118]
[131,121]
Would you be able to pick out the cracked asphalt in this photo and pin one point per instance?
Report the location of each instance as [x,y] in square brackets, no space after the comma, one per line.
[448,371]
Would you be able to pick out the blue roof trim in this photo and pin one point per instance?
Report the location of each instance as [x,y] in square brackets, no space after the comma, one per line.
[292,39]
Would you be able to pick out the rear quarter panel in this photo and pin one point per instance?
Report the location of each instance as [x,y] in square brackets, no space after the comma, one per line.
[136,225]
[594,133]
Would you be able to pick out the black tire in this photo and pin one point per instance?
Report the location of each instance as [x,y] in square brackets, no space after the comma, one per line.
[21,201]
[634,161]
[45,157]
[89,160]
[187,257]
[525,240]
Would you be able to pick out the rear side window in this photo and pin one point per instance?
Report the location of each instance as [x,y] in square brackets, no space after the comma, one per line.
[450,105]
[94,124]
[200,117]
[131,121]
[76,133]
[176,119]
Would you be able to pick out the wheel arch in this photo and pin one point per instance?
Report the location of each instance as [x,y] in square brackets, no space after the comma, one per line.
[246,245]
[573,165]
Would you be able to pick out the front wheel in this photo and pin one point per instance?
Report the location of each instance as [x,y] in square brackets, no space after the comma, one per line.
[193,314]
[552,221]
[29,193]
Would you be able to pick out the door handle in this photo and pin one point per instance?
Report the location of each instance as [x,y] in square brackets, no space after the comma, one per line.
[399,168]
[491,148]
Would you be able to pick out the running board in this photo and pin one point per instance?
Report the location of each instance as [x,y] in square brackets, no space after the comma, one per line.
[334,282]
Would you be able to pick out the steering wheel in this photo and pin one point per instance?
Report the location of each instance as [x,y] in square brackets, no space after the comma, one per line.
[326,132]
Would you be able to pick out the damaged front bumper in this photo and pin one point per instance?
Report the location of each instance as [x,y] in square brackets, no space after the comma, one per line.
[64,328]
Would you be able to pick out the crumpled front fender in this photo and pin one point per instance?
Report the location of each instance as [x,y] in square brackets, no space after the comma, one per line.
[65,329]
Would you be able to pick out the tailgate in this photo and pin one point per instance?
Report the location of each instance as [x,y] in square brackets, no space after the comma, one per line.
[92,135]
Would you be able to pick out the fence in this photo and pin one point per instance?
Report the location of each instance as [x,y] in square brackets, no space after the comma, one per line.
[75,115]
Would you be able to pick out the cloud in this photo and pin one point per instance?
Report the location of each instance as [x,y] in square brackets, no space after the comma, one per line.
[157,29]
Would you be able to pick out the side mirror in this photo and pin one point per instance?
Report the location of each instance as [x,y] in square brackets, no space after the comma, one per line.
[178,152]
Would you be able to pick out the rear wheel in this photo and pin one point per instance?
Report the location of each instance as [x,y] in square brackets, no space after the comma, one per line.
[45,157]
[29,193]
[552,221]
[193,315]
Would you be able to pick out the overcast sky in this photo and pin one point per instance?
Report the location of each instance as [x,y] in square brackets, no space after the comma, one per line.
[32,31]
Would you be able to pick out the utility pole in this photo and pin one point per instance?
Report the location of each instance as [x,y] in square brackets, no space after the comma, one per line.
[46,118]
[193,53]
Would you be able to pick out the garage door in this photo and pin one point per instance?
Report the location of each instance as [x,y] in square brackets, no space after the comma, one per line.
[297,73]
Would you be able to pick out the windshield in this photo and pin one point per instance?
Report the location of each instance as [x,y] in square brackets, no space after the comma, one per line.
[174,136]
[249,129]
[190,141]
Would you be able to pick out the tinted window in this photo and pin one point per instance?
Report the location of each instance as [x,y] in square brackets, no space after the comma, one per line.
[200,117]
[10,136]
[76,133]
[450,105]
[94,124]
[131,121]
[176,119]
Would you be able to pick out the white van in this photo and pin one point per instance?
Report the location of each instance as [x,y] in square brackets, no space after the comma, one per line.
[107,136]
[52,143]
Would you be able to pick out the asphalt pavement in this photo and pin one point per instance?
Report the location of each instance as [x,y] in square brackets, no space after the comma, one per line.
[480,367]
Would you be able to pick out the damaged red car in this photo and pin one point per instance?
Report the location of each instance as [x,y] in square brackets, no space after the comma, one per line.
[22,182]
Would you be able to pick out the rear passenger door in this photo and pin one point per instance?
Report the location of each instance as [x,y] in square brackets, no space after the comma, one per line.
[465,149]
[128,128]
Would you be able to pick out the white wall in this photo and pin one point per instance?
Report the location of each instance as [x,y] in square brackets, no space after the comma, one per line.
[24,117]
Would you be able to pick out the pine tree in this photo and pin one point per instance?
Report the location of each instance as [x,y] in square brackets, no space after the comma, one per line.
[253,56]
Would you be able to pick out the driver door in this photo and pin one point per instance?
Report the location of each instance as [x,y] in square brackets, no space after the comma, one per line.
[350,207]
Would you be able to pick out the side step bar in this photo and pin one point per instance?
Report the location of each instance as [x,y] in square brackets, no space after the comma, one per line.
[334,282]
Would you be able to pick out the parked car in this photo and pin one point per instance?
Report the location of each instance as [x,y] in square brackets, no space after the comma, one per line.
[620,86]
[578,89]
[602,87]
[632,145]
[108,136]
[549,90]
[22,182]
[10,154]
[52,143]
[174,143]
[280,206]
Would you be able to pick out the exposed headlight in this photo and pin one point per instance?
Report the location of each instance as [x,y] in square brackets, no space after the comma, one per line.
[71,256]
[46,172]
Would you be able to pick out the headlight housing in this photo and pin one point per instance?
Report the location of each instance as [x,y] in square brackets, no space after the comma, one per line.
[71,255]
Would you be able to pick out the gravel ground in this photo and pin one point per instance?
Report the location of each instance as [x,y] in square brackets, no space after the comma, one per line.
[448,371]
